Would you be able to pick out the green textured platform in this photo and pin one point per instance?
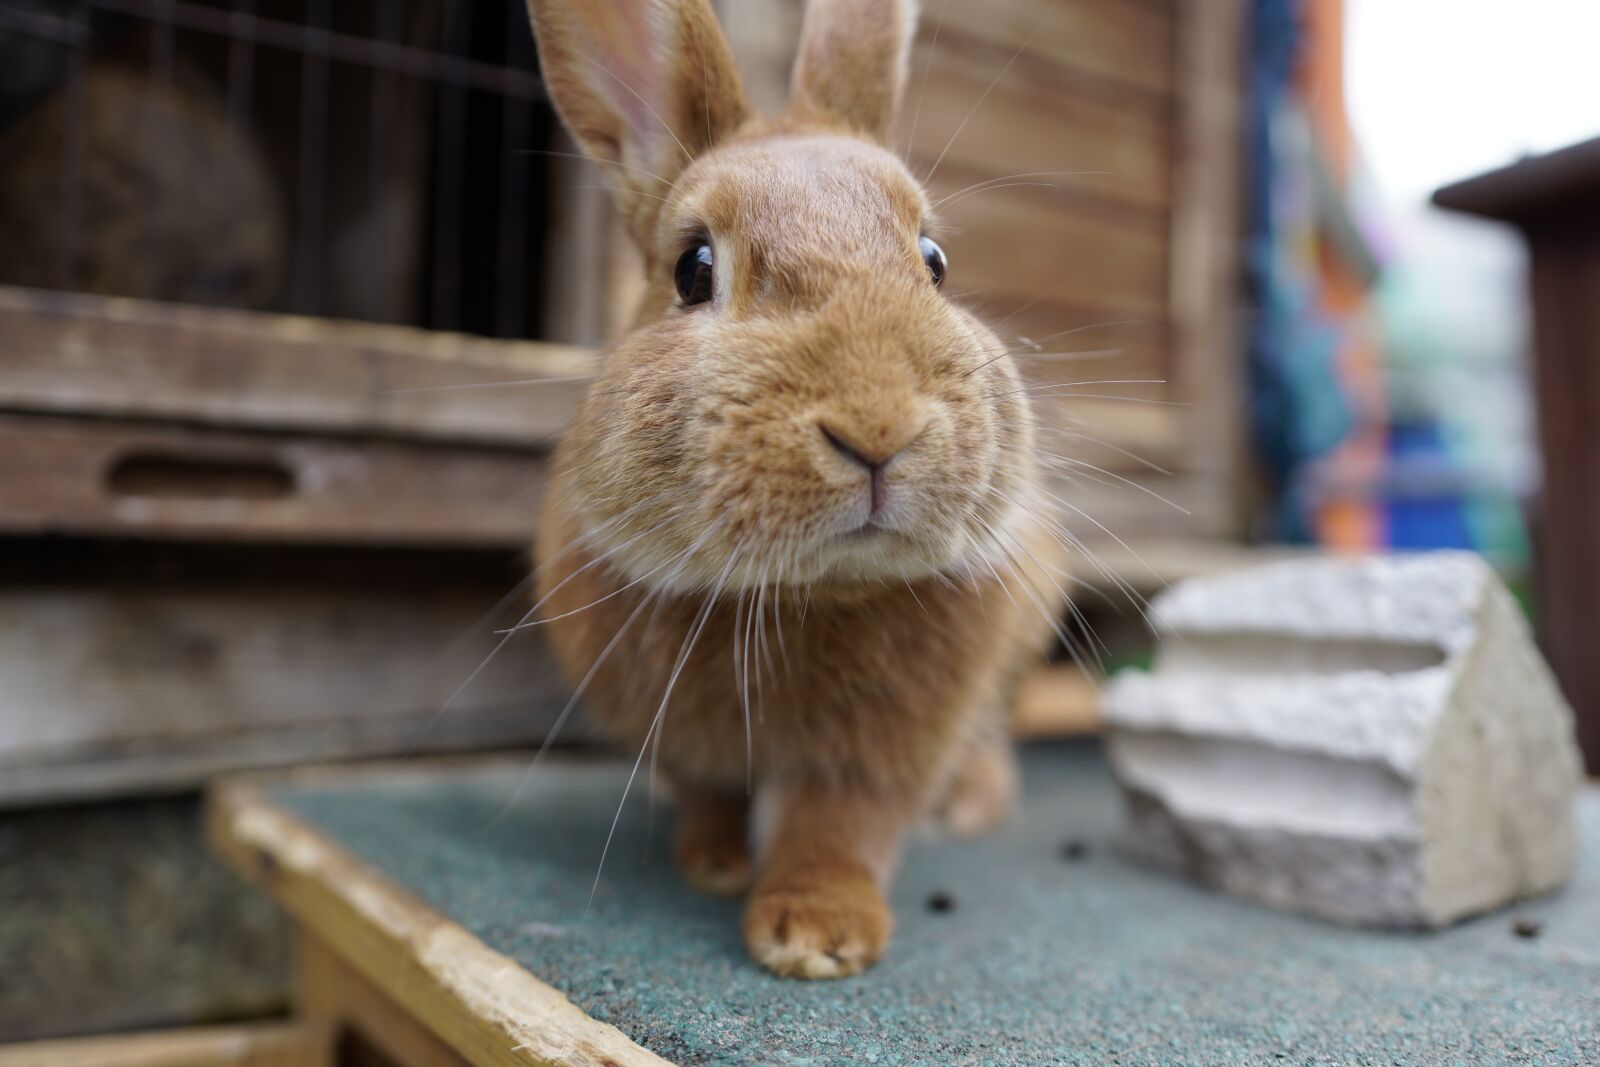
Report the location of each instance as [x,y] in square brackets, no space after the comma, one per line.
[1041,960]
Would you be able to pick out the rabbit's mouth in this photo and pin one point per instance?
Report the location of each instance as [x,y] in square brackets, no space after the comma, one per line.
[868,529]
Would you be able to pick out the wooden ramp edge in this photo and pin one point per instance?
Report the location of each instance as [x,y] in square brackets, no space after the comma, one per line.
[257,1045]
[482,1004]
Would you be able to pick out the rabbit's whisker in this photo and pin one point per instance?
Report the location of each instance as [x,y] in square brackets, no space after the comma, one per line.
[1045,393]
[687,156]
[567,710]
[1014,56]
[1080,356]
[1078,435]
[1081,465]
[1055,530]
[741,683]
[1128,590]
[906,579]
[621,192]
[655,724]
[1036,344]
[1033,390]
[506,635]
[1004,545]
[586,159]
[682,559]
[927,68]
[953,200]
[489,385]
[646,576]
[487,618]
[1076,544]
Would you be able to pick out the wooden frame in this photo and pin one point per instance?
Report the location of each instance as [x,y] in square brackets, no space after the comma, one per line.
[71,354]
[1551,199]
[97,478]
[110,691]
[379,952]
[1206,259]
[234,453]
[298,1044]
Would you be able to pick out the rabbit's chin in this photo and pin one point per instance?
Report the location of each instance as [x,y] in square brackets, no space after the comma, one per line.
[868,556]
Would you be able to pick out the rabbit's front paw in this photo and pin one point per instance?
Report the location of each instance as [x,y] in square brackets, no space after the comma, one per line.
[827,930]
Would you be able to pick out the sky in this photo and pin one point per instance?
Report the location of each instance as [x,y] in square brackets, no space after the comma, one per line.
[1443,89]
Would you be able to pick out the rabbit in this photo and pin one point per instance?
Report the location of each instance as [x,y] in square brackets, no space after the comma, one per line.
[173,202]
[794,546]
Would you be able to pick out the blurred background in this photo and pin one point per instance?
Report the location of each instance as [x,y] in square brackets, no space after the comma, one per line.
[295,296]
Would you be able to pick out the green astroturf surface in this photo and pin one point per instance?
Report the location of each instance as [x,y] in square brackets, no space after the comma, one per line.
[1041,959]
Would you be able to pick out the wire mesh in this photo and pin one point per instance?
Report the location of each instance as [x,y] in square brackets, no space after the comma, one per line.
[369,159]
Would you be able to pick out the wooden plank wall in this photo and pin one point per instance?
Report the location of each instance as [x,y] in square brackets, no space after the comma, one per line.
[111,690]
[1086,156]
[1074,97]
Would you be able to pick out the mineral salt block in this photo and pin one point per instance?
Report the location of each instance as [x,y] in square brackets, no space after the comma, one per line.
[1372,740]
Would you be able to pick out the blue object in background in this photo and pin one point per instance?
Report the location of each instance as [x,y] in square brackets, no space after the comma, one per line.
[1427,507]
[1298,409]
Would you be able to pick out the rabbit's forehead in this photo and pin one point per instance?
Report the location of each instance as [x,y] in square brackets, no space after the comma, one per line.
[771,190]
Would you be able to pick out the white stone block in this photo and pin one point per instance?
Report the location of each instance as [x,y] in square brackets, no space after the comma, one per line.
[1372,740]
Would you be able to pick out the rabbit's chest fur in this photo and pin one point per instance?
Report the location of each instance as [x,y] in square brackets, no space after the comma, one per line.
[872,687]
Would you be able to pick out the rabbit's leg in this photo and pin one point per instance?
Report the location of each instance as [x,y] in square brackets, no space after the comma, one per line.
[817,909]
[712,846]
[981,793]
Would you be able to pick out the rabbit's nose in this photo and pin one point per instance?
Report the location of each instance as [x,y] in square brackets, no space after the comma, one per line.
[883,449]
[872,451]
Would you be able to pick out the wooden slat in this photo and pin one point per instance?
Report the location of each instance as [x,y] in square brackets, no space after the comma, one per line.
[1024,247]
[1129,440]
[1153,506]
[116,690]
[1030,122]
[1205,258]
[61,476]
[1059,700]
[300,1044]
[1123,42]
[328,989]
[67,353]
[1105,44]
[477,1001]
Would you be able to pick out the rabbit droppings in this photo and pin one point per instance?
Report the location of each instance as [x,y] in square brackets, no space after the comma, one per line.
[794,545]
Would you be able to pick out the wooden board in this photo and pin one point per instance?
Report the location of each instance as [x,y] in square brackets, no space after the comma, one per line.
[1099,142]
[138,479]
[108,692]
[1104,43]
[479,1003]
[1206,286]
[1059,700]
[300,1044]
[75,354]
[1022,247]
[331,991]
[1552,199]
[1111,45]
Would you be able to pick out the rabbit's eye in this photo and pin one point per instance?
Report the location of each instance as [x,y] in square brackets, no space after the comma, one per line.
[693,275]
[933,256]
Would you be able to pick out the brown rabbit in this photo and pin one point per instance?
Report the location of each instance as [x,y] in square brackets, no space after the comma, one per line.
[794,547]
[173,202]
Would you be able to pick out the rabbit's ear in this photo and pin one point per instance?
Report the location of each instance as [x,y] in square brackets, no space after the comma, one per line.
[644,86]
[852,62]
